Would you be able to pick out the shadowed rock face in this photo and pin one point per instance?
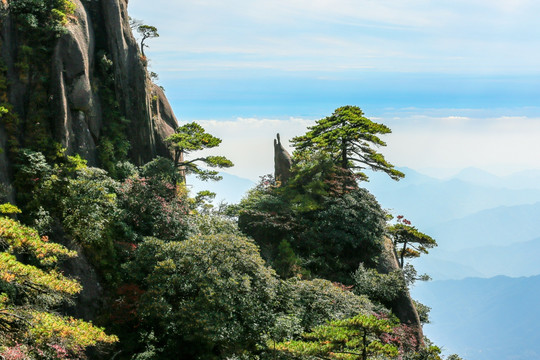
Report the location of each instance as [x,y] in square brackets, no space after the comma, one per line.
[97,27]
[77,119]
[403,307]
[282,162]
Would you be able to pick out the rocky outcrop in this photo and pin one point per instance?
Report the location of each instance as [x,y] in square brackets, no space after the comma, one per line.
[78,118]
[75,102]
[282,162]
[98,28]
[164,127]
[403,306]
[133,86]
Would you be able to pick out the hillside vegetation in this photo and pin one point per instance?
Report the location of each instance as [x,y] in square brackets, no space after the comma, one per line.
[104,253]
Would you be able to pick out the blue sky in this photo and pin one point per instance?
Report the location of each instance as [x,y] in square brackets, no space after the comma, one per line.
[457,81]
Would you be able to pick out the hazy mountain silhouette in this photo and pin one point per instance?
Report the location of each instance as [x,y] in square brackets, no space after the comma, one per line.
[499,226]
[427,201]
[484,319]
[527,179]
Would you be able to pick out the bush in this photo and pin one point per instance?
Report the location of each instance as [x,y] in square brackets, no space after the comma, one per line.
[89,205]
[314,302]
[151,207]
[207,297]
[383,288]
[348,230]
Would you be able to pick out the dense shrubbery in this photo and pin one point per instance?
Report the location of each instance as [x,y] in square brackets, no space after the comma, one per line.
[332,229]
[183,282]
[205,297]
[29,293]
[312,303]
[383,288]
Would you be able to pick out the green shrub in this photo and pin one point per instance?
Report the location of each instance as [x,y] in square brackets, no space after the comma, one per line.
[47,17]
[383,288]
[208,297]
[314,302]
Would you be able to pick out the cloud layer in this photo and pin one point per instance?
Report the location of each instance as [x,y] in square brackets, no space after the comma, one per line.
[449,36]
[436,144]
[265,66]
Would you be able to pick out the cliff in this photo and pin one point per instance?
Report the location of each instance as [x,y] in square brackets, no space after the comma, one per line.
[403,306]
[86,89]
[95,85]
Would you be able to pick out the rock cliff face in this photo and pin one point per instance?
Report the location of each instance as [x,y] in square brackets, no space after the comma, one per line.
[97,32]
[403,307]
[282,162]
[92,71]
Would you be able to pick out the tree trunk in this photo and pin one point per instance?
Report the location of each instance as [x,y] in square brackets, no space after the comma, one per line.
[344,158]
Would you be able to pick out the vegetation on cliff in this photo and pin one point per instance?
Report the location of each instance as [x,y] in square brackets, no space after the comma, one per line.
[181,278]
[30,290]
[297,270]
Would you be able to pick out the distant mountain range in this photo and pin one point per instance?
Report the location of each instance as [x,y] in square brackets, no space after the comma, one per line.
[503,240]
[428,201]
[499,226]
[518,259]
[485,226]
[484,319]
[528,179]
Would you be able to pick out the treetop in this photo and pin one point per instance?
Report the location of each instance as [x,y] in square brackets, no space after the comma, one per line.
[349,137]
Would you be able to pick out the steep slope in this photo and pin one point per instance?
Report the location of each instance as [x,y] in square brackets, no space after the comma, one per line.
[96,87]
[86,90]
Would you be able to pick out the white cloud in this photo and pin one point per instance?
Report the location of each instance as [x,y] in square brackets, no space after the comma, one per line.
[500,145]
[248,143]
[389,35]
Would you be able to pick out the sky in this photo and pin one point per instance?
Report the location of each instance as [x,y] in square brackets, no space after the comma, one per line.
[458,82]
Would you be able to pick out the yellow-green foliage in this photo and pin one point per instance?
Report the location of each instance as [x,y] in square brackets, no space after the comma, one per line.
[27,292]
[349,339]
[22,239]
[72,333]
[14,272]
[9,209]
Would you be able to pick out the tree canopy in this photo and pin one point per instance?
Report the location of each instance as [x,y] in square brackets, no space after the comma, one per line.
[207,297]
[192,137]
[147,32]
[350,138]
[408,241]
[353,338]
